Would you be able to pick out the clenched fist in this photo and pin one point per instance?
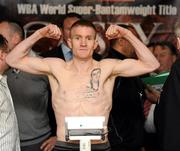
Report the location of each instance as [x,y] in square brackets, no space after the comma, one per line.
[115,31]
[50,31]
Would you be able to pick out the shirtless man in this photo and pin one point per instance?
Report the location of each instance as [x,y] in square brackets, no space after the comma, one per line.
[73,89]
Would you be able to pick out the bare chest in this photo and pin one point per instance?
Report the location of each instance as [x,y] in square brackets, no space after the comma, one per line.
[80,87]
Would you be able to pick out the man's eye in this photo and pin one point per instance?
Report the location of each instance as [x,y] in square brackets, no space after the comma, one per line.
[89,38]
[5,51]
[77,38]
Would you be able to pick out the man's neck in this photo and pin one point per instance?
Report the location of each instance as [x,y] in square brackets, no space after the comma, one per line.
[2,71]
[82,65]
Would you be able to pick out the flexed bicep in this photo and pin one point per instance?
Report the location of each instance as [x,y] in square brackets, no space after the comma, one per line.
[19,57]
[34,65]
[129,68]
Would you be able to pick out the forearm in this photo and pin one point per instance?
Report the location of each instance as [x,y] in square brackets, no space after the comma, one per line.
[142,52]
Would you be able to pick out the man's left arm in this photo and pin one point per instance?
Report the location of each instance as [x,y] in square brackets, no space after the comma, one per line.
[146,61]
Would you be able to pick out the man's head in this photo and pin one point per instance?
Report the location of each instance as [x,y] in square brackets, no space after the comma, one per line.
[68,21]
[82,39]
[177,33]
[122,45]
[12,31]
[3,53]
[165,52]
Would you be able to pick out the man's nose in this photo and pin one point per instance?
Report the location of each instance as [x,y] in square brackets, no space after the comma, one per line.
[83,42]
[1,54]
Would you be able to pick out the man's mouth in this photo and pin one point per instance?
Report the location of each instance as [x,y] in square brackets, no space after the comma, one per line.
[83,49]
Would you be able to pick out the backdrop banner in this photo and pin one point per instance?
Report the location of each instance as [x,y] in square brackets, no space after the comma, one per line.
[152,19]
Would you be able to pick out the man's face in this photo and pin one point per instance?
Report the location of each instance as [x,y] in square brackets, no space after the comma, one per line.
[177,33]
[5,31]
[83,41]
[165,58]
[68,22]
[125,46]
[3,64]
[128,48]
[178,43]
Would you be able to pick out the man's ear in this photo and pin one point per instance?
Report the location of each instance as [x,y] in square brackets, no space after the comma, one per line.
[15,39]
[69,42]
[174,58]
[121,41]
[96,44]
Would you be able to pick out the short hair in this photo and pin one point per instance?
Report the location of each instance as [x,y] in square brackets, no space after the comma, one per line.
[151,44]
[71,15]
[85,23]
[15,27]
[169,45]
[3,43]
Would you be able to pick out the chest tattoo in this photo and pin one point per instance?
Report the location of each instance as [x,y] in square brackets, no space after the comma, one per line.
[94,80]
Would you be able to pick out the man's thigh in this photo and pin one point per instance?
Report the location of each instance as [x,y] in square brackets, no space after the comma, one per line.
[34,147]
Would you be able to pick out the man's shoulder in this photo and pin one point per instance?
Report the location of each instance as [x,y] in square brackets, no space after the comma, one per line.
[107,64]
[177,63]
[175,69]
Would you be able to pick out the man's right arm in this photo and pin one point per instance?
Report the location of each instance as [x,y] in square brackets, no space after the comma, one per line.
[18,57]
